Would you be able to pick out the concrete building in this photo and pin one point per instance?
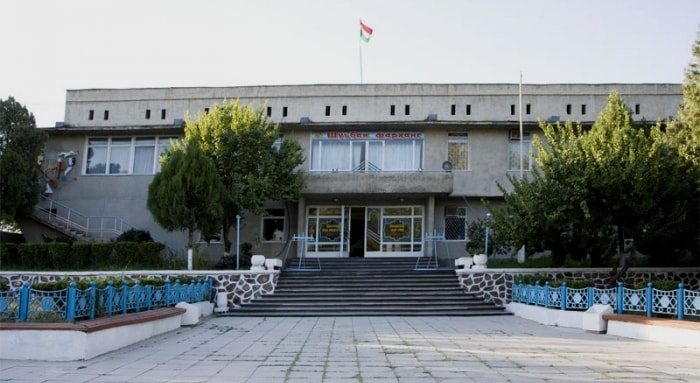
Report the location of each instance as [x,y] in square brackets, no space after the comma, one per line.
[385,164]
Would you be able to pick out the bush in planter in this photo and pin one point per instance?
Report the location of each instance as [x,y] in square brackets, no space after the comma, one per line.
[101,255]
[33,256]
[8,255]
[80,255]
[150,254]
[58,252]
[134,235]
[126,253]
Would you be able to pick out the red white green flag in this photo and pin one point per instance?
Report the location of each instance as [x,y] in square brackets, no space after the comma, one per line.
[365,32]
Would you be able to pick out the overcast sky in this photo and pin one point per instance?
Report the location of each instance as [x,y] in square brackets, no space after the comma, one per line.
[50,46]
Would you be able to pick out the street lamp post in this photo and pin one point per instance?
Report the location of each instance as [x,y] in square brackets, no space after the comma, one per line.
[238,241]
[486,242]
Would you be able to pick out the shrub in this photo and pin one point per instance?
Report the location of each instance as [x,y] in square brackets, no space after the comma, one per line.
[150,253]
[58,252]
[80,256]
[659,285]
[134,235]
[101,254]
[33,256]
[8,255]
[126,253]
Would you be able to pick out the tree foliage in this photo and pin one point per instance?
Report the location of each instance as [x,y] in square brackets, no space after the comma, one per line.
[21,143]
[187,193]
[253,170]
[595,189]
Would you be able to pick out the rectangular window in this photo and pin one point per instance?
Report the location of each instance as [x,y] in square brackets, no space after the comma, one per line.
[453,109]
[273,226]
[284,111]
[469,109]
[345,110]
[91,115]
[512,109]
[206,110]
[568,108]
[162,114]
[583,108]
[456,223]
[527,109]
[392,110]
[407,110]
[637,109]
[106,115]
[366,151]
[514,152]
[269,111]
[144,155]
[328,110]
[458,150]
[125,155]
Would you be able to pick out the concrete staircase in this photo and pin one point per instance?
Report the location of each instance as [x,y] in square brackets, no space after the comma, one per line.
[366,287]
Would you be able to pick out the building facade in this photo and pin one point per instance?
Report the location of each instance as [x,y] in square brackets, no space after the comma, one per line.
[391,169]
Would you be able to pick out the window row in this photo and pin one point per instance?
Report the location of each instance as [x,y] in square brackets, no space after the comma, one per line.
[125,155]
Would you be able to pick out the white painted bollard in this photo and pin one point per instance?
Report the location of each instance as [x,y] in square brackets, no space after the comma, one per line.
[221,303]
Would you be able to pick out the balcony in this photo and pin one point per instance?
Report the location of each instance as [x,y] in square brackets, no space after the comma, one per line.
[417,183]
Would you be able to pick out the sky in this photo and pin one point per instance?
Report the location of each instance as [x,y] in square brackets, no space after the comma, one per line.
[50,46]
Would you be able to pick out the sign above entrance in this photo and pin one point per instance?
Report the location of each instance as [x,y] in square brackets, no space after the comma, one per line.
[405,135]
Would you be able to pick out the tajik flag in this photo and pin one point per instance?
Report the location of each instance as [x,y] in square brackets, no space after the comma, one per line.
[365,32]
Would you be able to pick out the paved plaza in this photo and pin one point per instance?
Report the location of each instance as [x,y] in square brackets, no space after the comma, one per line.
[374,350]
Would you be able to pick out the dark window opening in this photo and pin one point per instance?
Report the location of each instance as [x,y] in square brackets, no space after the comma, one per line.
[512,109]
[106,115]
[453,109]
[636,108]
[284,111]
[162,114]
[91,115]
[328,110]
[206,110]
[392,110]
[527,109]
[469,109]
[407,110]
[345,110]
[568,108]
[269,111]
[148,114]
[583,108]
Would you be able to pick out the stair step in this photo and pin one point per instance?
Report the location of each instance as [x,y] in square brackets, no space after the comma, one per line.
[367,287]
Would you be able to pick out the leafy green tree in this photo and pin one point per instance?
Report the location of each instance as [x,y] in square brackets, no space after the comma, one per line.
[598,188]
[252,168]
[187,193]
[21,143]
[684,135]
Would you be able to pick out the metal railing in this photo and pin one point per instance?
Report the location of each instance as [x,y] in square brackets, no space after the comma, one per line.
[679,303]
[29,305]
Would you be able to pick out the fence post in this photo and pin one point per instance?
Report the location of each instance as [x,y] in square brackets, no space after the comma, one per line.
[681,301]
[149,297]
[520,292]
[620,298]
[590,294]
[563,296]
[110,297]
[70,305]
[167,292]
[125,290]
[93,299]
[177,291]
[137,294]
[24,303]
[546,294]
[650,298]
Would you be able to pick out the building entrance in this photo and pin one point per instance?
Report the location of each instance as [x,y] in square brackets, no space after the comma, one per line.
[365,231]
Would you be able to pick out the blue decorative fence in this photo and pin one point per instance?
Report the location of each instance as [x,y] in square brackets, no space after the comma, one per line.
[679,303]
[71,304]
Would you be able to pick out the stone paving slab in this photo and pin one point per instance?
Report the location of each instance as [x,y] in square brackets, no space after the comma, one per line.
[373,350]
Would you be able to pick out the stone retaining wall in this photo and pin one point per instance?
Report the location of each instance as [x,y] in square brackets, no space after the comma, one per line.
[494,284]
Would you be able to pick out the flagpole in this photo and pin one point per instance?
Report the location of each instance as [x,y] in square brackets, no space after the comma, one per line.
[361,79]
[520,101]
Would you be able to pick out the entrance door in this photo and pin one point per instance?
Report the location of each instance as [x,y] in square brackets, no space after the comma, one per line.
[356,235]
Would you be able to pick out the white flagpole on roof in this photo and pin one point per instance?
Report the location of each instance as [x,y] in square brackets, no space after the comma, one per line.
[520,101]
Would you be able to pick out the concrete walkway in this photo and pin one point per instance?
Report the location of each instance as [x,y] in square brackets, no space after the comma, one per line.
[374,349]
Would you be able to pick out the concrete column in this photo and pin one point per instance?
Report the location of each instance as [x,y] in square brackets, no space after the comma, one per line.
[429,224]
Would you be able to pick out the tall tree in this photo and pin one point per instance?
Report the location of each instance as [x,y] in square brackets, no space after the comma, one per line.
[21,143]
[187,193]
[598,188]
[253,169]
